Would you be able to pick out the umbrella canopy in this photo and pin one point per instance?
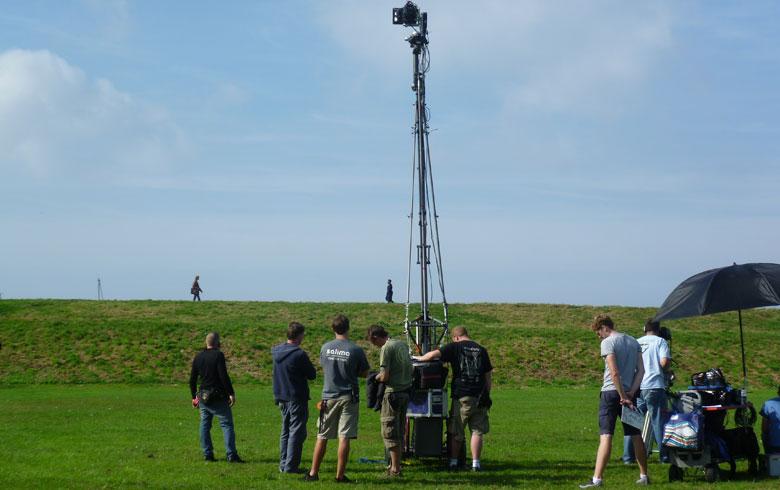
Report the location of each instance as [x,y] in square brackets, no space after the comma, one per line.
[732,288]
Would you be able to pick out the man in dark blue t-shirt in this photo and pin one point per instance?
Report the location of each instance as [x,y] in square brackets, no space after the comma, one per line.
[471,383]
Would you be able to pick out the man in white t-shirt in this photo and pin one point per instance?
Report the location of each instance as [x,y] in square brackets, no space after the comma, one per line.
[656,357]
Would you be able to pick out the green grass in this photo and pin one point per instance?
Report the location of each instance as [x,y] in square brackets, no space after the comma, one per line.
[109,436]
[63,341]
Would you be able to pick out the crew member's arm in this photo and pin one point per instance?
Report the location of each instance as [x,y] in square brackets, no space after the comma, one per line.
[430,356]
[363,366]
[640,373]
[665,353]
[225,379]
[384,370]
[308,368]
[665,363]
[488,381]
[194,383]
[615,374]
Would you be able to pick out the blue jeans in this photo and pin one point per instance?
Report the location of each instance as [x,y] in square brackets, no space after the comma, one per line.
[224,415]
[655,402]
[295,415]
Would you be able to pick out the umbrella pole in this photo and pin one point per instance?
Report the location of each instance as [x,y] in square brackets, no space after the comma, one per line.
[744,369]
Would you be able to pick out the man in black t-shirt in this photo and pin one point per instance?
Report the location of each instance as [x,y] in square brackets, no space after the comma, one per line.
[214,399]
[471,383]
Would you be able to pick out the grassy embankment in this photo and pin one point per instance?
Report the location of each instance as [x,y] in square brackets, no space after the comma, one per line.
[55,341]
[131,430]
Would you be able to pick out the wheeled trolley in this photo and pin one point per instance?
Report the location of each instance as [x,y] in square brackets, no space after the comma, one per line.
[696,434]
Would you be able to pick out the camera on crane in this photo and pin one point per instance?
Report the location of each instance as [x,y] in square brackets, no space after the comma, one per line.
[408,15]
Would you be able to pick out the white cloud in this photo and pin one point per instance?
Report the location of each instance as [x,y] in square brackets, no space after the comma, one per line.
[545,55]
[55,121]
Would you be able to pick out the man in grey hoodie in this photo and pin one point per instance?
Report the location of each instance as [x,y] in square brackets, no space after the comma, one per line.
[292,370]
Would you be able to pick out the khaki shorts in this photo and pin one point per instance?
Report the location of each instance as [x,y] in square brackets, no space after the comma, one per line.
[464,411]
[393,418]
[339,419]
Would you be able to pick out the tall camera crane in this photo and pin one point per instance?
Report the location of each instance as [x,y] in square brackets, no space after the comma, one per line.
[424,331]
[427,407]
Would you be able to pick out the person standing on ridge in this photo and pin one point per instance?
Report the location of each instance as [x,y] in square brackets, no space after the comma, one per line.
[195,290]
[292,372]
[389,293]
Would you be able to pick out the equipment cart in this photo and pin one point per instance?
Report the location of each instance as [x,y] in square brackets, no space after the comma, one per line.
[697,437]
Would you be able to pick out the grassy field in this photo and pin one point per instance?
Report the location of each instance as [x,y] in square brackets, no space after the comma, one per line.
[109,436]
[61,341]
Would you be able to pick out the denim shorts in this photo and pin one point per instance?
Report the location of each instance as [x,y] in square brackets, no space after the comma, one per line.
[609,411]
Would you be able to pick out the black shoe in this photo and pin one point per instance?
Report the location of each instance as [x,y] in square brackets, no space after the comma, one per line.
[209,458]
[344,479]
[476,469]
[296,471]
[235,459]
[309,477]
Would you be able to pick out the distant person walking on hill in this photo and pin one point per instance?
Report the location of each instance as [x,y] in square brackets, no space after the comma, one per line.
[195,290]
[343,362]
[656,358]
[292,370]
[389,293]
[214,398]
[395,371]
[471,383]
[623,373]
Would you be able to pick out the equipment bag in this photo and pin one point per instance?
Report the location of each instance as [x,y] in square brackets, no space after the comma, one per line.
[684,431]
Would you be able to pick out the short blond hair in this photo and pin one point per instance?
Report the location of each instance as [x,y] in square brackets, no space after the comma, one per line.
[212,339]
[459,332]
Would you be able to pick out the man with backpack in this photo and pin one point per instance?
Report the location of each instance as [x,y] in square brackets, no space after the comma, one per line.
[471,383]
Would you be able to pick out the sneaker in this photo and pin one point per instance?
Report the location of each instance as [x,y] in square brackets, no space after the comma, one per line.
[235,459]
[209,458]
[645,480]
[476,469]
[309,477]
[296,471]
[452,467]
[590,484]
[391,474]
[344,479]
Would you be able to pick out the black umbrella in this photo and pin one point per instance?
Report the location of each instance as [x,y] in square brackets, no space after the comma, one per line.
[732,288]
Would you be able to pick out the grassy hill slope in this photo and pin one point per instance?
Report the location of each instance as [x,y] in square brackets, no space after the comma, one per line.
[55,341]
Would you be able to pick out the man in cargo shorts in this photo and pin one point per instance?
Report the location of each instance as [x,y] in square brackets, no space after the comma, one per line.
[471,383]
[342,363]
[395,371]
[623,373]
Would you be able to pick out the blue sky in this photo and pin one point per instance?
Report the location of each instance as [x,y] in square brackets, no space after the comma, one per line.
[585,152]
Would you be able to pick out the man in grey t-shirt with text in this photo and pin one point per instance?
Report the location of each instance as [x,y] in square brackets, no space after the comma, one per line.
[623,372]
[343,362]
